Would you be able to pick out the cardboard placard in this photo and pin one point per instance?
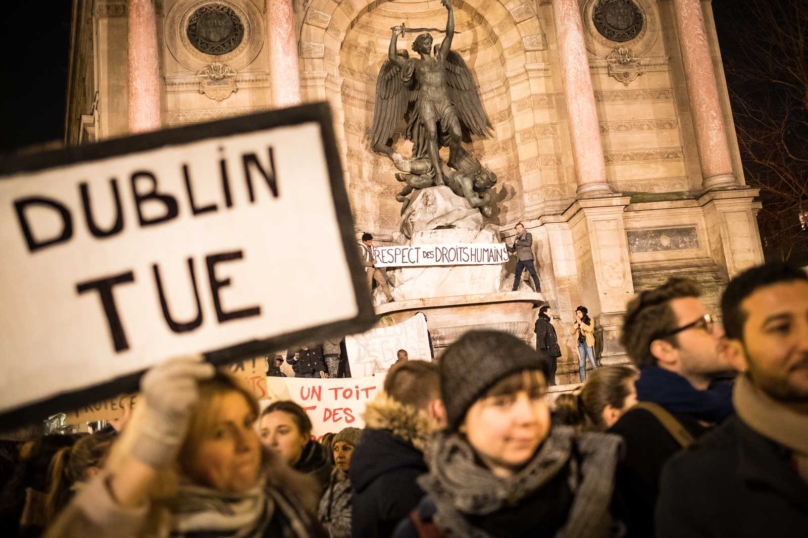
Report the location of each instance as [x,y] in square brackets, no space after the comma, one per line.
[252,372]
[119,255]
[332,404]
[374,351]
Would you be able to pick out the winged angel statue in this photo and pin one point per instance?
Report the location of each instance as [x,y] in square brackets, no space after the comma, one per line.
[437,96]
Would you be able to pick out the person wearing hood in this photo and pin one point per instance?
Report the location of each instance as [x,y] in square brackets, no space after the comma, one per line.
[499,469]
[189,463]
[285,428]
[335,506]
[385,466]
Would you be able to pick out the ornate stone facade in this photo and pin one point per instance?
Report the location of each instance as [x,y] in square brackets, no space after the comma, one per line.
[662,216]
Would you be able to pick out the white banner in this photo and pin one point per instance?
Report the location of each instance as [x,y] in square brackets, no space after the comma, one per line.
[375,351]
[332,404]
[426,255]
[119,255]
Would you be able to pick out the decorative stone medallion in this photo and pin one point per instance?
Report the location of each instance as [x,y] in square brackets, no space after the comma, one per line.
[618,20]
[203,32]
[215,29]
[217,81]
[623,66]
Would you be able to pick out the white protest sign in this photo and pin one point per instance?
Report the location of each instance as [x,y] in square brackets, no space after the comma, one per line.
[426,255]
[374,351]
[119,255]
[332,404]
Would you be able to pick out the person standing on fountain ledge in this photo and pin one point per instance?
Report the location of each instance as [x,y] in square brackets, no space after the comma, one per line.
[523,247]
[369,262]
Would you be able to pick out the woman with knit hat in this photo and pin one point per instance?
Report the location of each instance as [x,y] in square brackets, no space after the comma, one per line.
[335,506]
[499,469]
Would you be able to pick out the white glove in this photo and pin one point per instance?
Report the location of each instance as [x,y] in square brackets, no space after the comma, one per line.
[170,391]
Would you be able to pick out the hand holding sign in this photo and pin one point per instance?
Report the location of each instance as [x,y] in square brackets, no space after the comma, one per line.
[170,392]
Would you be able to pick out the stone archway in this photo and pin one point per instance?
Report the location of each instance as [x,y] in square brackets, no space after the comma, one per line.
[342,48]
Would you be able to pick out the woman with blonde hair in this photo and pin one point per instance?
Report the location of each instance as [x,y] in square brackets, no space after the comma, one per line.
[190,463]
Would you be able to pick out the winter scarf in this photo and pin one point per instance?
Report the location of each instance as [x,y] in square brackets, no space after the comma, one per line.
[200,511]
[462,488]
[335,506]
[773,421]
[677,395]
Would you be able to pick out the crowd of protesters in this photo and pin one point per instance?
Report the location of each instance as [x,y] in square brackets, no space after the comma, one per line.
[704,435]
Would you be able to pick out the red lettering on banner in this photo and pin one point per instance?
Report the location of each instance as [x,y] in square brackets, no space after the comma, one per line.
[311,393]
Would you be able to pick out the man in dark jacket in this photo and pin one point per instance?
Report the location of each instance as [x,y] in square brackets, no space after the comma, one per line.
[523,247]
[390,458]
[307,362]
[749,477]
[671,337]
[547,341]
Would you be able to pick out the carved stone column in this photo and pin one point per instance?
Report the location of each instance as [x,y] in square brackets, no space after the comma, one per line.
[144,68]
[702,91]
[590,168]
[284,72]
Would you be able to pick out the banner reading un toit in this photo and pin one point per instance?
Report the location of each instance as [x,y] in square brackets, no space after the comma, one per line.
[119,255]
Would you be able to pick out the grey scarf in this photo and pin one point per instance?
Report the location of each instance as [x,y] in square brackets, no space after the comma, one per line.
[773,420]
[459,485]
[200,511]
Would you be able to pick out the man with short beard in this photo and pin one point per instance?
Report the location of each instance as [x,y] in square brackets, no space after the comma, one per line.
[749,477]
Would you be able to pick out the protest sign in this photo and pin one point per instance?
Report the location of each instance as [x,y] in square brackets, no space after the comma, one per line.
[332,404]
[426,255]
[374,351]
[251,372]
[119,255]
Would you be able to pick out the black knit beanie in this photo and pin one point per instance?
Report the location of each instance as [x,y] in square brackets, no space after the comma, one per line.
[475,363]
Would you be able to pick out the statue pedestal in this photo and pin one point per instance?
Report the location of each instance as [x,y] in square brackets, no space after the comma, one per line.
[455,299]
[448,318]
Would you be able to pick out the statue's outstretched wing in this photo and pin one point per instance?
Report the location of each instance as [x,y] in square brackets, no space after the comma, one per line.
[465,97]
[393,88]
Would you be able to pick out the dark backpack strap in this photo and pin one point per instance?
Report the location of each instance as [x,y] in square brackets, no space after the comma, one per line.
[669,422]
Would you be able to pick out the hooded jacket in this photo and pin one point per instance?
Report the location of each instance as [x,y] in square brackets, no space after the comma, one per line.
[385,466]
[315,463]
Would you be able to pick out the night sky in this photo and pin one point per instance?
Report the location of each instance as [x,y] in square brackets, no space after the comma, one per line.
[33,89]
[34,86]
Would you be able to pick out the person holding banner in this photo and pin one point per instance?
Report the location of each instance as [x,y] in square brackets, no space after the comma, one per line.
[369,262]
[523,248]
[198,421]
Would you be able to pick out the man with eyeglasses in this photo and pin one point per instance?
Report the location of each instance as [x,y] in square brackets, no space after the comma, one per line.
[749,477]
[670,335]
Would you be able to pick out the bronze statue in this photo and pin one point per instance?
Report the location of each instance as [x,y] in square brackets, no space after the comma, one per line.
[438,96]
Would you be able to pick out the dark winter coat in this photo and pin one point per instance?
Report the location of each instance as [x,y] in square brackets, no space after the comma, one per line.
[648,446]
[385,466]
[546,338]
[315,463]
[311,360]
[732,483]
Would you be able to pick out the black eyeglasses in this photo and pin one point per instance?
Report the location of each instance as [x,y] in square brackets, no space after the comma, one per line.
[706,322]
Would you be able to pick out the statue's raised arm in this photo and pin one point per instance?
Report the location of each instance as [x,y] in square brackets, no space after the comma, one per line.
[446,45]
